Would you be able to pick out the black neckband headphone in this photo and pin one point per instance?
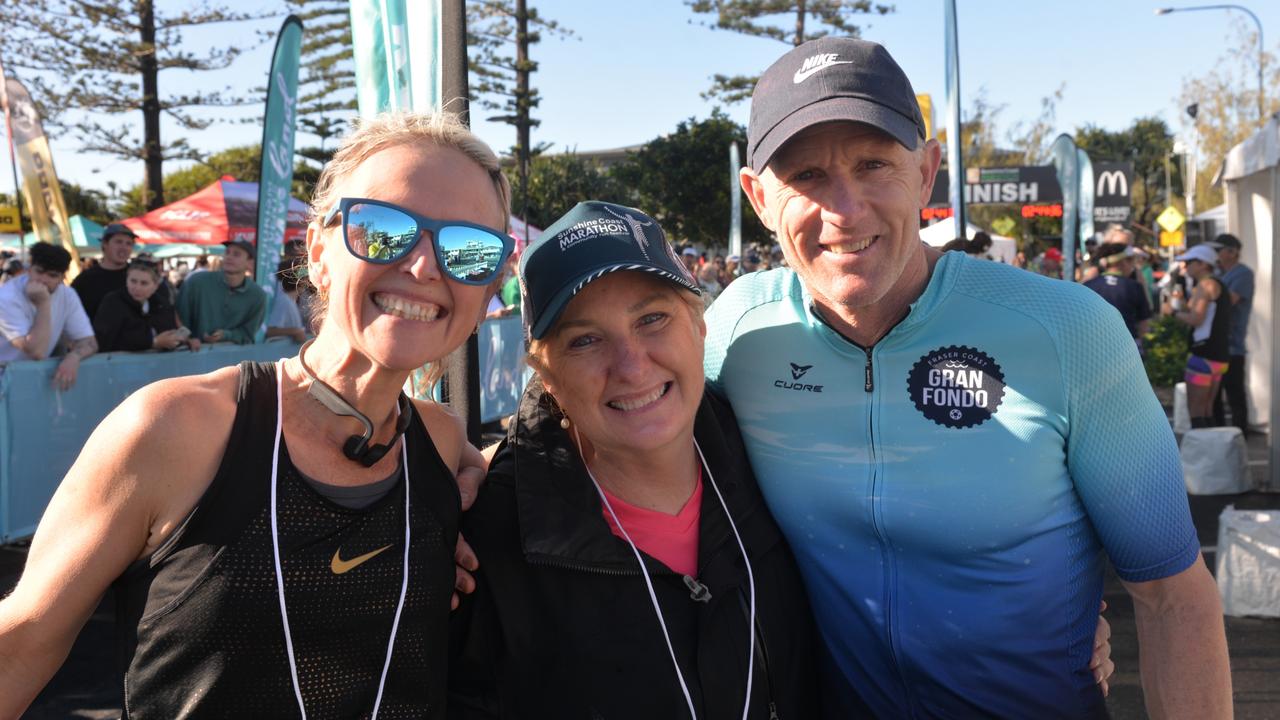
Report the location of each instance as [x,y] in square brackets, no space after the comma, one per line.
[356,447]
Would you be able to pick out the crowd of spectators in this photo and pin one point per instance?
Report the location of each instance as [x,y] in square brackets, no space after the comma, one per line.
[127,302]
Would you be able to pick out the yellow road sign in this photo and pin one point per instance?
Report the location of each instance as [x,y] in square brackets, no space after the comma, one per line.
[1170,219]
[9,219]
[1171,238]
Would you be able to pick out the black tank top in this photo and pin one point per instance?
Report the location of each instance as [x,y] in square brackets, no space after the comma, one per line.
[200,621]
[1216,347]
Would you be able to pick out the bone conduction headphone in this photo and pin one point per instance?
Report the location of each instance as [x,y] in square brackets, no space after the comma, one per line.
[356,447]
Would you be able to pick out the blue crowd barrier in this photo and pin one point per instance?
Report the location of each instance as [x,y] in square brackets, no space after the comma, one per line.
[43,429]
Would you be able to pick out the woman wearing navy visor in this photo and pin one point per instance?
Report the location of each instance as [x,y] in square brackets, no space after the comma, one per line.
[282,535]
[628,566]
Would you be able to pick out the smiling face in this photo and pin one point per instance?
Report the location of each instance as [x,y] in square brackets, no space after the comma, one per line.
[844,200]
[116,251]
[624,362]
[407,313]
[141,284]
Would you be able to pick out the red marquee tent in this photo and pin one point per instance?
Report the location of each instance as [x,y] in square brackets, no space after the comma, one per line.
[226,210]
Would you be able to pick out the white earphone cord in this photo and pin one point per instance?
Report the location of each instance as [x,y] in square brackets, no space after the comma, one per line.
[275,547]
[653,598]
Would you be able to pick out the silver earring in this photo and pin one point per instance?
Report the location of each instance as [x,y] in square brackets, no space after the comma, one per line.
[564,422]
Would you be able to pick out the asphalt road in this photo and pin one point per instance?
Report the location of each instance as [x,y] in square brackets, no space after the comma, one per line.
[88,686]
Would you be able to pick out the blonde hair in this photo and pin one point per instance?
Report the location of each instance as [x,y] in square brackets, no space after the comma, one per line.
[388,130]
[373,135]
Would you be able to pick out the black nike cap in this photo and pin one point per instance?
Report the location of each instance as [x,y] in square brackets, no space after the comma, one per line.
[827,80]
[592,240]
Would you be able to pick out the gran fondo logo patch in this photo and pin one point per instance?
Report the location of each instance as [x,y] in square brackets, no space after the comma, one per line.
[956,386]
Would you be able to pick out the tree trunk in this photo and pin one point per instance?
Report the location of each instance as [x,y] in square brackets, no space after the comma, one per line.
[153,158]
[522,103]
[799,39]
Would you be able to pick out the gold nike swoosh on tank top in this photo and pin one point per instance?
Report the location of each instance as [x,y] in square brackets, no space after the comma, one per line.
[340,566]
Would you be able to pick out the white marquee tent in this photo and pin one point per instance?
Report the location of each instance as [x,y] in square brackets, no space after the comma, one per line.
[1251,175]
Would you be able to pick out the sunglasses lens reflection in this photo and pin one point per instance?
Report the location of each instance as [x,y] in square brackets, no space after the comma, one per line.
[470,254]
[379,233]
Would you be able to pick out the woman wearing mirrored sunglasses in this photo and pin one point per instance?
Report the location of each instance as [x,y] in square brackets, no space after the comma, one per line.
[282,535]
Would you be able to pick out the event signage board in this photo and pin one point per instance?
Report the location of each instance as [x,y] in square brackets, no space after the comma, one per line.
[397,49]
[278,131]
[1066,161]
[1111,187]
[1026,185]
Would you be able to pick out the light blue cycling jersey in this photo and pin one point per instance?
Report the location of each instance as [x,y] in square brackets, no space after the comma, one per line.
[949,492]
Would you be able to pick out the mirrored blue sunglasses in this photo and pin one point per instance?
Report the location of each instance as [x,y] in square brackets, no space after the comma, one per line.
[383,233]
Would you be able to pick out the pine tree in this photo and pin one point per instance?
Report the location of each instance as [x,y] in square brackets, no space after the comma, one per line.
[96,58]
[499,34]
[327,99]
[765,18]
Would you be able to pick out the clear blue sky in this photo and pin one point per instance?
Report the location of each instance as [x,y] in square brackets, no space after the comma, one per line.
[635,69]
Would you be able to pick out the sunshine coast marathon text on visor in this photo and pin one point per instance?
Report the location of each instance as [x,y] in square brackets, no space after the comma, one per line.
[589,229]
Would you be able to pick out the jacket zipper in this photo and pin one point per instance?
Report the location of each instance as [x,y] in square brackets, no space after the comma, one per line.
[762,651]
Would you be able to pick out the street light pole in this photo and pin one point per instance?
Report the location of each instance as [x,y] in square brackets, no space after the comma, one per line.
[1256,21]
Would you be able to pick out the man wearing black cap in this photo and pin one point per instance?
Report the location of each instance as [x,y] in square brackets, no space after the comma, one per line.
[1238,280]
[949,445]
[1114,284]
[110,273]
[225,306]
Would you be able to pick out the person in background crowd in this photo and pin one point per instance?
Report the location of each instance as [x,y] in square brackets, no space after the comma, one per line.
[1207,312]
[709,281]
[1145,275]
[1238,280]
[108,275]
[980,246]
[286,319]
[202,265]
[282,535]
[732,268]
[1051,263]
[617,451]
[1020,260]
[12,269]
[1116,285]
[227,306]
[510,293]
[38,311]
[750,262]
[178,274]
[690,257]
[128,319]
[951,509]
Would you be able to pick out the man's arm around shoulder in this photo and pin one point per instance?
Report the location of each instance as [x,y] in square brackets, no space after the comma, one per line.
[1182,645]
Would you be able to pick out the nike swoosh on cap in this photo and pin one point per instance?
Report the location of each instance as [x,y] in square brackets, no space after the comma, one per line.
[804,74]
[340,566]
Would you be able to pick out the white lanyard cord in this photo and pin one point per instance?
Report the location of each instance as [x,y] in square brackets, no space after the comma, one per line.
[653,598]
[275,548]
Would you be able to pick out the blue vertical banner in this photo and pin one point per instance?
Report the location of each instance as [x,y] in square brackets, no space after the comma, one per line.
[278,130]
[955,160]
[396,45]
[1066,161]
[1085,168]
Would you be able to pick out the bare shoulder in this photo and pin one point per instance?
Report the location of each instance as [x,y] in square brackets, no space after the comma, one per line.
[161,446]
[447,430]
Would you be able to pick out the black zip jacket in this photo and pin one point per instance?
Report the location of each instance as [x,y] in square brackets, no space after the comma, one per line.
[561,624]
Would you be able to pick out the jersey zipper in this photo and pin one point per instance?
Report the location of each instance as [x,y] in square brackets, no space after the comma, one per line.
[877,522]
